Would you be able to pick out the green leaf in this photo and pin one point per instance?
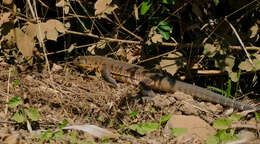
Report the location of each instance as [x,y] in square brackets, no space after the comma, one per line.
[256,116]
[105,140]
[164,119]
[225,137]
[58,134]
[16,82]
[134,113]
[168,2]
[165,26]
[179,131]
[235,117]
[19,117]
[212,140]
[15,101]
[144,128]
[229,87]
[164,34]
[222,123]
[217,90]
[46,136]
[146,6]
[73,138]
[216,2]
[63,124]
[32,114]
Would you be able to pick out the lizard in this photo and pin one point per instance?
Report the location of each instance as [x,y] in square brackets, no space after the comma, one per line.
[113,70]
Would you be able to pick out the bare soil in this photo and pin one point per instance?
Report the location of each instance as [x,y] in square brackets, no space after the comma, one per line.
[86,98]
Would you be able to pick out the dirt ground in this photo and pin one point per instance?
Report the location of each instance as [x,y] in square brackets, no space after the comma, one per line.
[83,98]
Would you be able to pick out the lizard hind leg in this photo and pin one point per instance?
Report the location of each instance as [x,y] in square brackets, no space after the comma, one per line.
[107,76]
[146,90]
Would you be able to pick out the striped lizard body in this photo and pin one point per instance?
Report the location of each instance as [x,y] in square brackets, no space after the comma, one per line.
[113,70]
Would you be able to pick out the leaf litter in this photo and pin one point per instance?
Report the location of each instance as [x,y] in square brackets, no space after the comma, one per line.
[91,104]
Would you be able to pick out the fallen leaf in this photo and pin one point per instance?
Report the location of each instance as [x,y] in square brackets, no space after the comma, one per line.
[94,130]
[172,62]
[103,7]
[24,43]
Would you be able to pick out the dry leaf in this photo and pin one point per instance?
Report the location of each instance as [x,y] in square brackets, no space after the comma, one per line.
[226,63]
[254,31]
[156,38]
[4,17]
[7,2]
[209,50]
[64,4]
[233,76]
[61,3]
[229,61]
[24,43]
[171,63]
[47,30]
[52,35]
[245,65]
[30,29]
[101,44]
[94,130]
[91,49]
[104,7]
[55,24]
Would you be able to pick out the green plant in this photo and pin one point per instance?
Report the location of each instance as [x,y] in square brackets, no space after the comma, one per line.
[50,135]
[22,114]
[224,134]
[143,128]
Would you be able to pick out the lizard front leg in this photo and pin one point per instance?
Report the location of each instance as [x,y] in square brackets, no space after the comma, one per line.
[105,72]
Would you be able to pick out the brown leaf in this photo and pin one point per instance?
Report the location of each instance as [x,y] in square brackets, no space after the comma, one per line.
[254,30]
[171,62]
[55,24]
[52,35]
[209,50]
[245,65]
[7,2]
[104,7]
[24,43]
[4,17]
[233,76]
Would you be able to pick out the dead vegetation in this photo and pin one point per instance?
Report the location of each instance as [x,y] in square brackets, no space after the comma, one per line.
[203,42]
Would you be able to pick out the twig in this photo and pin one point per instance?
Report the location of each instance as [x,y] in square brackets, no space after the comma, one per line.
[8,90]
[42,45]
[120,25]
[157,56]
[104,38]
[240,41]
[205,40]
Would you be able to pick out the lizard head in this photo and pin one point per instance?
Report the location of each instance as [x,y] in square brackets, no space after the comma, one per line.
[81,61]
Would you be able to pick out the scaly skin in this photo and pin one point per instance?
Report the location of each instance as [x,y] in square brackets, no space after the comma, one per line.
[134,74]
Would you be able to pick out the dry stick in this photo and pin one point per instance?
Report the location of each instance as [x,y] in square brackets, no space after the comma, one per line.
[242,8]
[75,47]
[155,57]
[36,18]
[84,9]
[8,89]
[240,41]
[206,39]
[104,38]
[175,12]
[82,24]
[120,25]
